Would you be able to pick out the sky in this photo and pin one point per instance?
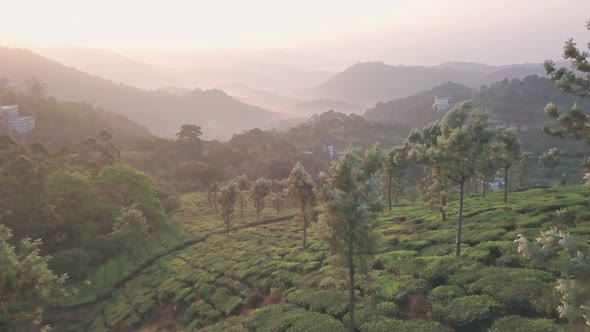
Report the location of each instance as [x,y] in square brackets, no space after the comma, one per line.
[393,31]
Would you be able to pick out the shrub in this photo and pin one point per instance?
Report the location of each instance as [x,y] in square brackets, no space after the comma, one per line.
[467,313]
[521,324]
[396,325]
[323,301]
[74,262]
[396,288]
[445,293]
[524,291]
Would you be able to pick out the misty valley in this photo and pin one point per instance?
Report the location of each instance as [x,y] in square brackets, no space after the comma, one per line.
[254,190]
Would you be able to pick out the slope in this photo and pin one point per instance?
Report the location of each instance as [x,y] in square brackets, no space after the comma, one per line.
[260,280]
[373,82]
[516,103]
[163,113]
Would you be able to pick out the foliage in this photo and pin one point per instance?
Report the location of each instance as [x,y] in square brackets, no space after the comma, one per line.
[548,161]
[575,275]
[351,201]
[126,186]
[301,190]
[260,189]
[228,196]
[27,283]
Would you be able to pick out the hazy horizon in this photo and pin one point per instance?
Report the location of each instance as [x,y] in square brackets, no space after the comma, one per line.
[327,35]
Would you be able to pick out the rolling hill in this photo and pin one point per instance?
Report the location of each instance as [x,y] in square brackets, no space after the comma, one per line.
[518,103]
[373,82]
[219,114]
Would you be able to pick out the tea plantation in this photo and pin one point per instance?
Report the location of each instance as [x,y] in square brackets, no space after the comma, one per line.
[192,277]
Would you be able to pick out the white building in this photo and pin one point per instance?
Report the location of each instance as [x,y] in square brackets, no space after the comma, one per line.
[21,124]
[441,104]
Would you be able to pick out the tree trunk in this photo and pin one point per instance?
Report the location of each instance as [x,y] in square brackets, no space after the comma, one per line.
[399,189]
[459,220]
[241,204]
[304,231]
[351,297]
[505,184]
[227,230]
[485,185]
[389,190]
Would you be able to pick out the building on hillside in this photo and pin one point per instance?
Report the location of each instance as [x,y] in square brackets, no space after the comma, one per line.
[441,104]
[9,114]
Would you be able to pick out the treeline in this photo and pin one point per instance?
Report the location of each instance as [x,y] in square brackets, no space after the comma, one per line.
[79,201]
[189,163]
[60,123]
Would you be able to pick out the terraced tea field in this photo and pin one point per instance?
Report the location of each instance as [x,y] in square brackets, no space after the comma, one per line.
[259,279]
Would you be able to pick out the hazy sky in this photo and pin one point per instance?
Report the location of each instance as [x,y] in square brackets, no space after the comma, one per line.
[395,31]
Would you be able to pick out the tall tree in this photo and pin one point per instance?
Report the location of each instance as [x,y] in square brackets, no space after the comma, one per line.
[260,189]
[487,167]
[189,139]
[455,146]
[301,190]
[212,193]
[549,161]
[228,196]
[133,226]
[351,199]
[395,165]
[244,185]
[27,284]
[509,154]
[575,80]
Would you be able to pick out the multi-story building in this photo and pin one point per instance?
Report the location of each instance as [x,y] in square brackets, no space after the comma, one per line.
[441,104]
[20,124]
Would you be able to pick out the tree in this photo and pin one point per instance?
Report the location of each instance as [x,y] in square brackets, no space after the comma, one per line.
[278,193]
[132,226]
[228,195]
[509,153]
[575,271]
[576,80]
[212,193]
[126,186]
[301,191]
[455,147]
[351,199]
[27,284]
[464,140]
[35,87]
[189,139]
[260,189]
[487,166]
[396,162]
[244,185]
[548,161]
[189,133]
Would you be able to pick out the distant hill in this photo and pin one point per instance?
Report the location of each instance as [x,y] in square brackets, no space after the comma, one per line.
[162,112]
[309,107]
[517,103]
[416,111]
[113,66]
[60,124]
[372,82]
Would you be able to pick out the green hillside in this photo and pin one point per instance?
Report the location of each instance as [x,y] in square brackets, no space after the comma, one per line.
[260,279]
[518,103]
